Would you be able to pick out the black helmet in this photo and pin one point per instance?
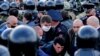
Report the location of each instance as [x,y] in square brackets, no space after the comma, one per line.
[41,6]
[13,5]
[59,4]
[29,4]
[87,36]
[50,5]
[88,5]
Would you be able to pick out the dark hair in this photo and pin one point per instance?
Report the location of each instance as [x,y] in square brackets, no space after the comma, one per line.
[64,13]
[46,18]
[59,40]
[14,12]
[28,16]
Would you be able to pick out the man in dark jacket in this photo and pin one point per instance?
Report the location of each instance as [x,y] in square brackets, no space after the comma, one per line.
[73,33]
[89,12]
[58,28]
[54,48]
[67,20]
[28,20]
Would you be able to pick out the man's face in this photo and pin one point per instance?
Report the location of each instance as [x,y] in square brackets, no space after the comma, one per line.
[76,27]
[58,48]
[46,26]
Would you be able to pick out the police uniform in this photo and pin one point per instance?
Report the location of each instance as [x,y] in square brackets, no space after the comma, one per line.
[86,41]
[23,41]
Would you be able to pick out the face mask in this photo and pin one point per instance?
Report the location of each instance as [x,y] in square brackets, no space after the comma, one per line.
[46,28]
[13,26]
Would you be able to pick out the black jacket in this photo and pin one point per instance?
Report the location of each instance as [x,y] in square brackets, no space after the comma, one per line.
[49,49]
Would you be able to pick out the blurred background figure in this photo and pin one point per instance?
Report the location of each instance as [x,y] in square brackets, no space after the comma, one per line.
[72,32]
[39,15]
[4,51]
[90,12]
[12,12]
[93,21]
[14,5]
[86,41]
[67,20]
[28,20]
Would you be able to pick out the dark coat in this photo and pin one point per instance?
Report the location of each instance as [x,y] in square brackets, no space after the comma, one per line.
[49,49]
[54,32]
[41,53]
[72,36]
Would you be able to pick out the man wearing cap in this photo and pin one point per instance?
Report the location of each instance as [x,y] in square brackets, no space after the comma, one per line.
[57,28]
[90,11]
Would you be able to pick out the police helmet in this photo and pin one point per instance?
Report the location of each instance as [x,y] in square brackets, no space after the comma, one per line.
[50,5]
[29,4]
[59,4]
[87,36]
[13,5]
[41,6]
[4,7]
[23,34]
[5,34]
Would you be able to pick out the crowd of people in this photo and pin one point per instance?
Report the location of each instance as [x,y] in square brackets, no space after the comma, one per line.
[50,32]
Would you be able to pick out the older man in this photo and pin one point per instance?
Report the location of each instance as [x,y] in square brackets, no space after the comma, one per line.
[11,22]
[93,21]
[72,34]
